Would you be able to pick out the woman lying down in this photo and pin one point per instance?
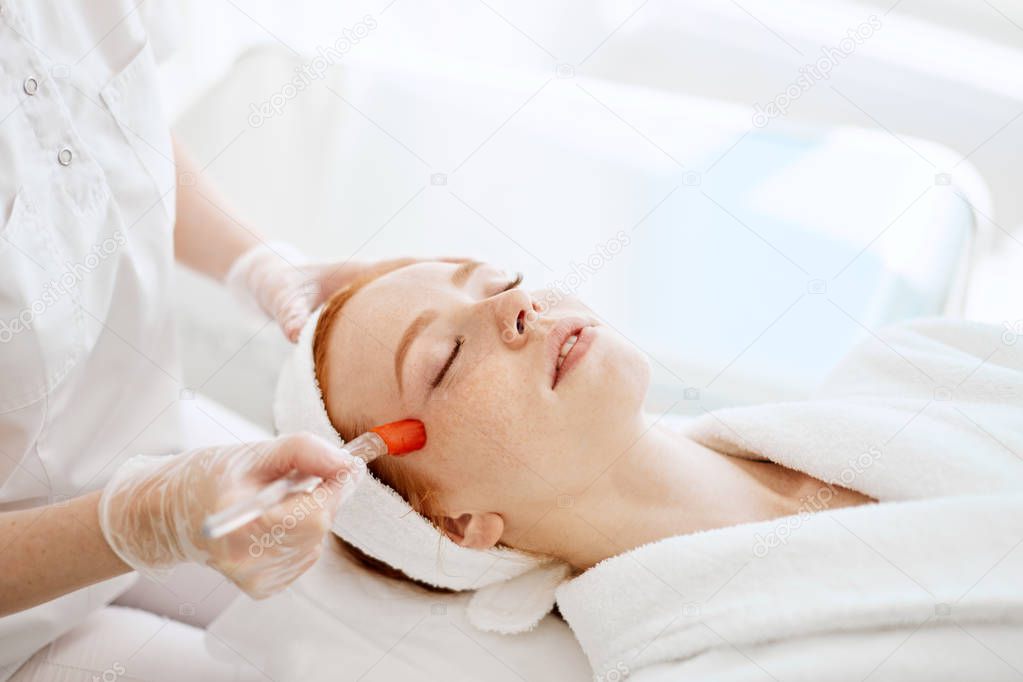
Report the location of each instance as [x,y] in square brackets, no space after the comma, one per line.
[776,540]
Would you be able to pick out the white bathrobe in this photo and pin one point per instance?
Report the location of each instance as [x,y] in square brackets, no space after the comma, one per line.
[927,418]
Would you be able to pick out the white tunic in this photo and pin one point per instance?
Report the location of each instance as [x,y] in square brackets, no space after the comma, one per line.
[88,358]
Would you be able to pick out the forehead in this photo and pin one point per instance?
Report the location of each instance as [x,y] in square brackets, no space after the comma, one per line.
[397,297]
[404,293]
[366,333]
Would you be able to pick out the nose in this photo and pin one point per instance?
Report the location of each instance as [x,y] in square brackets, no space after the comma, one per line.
[514,315]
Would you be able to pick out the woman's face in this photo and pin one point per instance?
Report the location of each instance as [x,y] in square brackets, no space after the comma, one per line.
[476,358]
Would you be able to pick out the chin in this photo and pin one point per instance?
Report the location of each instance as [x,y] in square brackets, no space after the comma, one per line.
[613,386]
[634,376]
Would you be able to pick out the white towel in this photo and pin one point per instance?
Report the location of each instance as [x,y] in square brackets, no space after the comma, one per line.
[927,408]
[882,567]
[924,411]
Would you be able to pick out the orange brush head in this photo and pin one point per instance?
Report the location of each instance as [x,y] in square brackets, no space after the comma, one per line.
[402,437]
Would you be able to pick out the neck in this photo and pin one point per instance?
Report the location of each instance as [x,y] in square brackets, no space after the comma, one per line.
[665,484]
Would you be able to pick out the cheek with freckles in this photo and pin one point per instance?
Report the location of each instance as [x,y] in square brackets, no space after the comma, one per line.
[491,410]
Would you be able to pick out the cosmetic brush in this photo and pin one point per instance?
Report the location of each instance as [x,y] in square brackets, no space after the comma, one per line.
[395,439]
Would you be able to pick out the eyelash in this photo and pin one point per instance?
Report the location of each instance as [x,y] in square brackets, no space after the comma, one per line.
[514,283]
[461,339]
[447,365]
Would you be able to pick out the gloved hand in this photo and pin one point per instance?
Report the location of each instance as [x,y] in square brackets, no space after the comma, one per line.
[151,512]
[276,278]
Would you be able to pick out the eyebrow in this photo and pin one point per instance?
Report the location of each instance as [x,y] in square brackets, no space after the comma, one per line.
[423,320]
[462,272]
[418,325]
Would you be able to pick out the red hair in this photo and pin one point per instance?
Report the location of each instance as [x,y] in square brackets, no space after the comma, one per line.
[349,426]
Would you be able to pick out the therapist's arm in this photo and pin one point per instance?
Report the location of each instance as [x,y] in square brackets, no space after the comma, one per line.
[273,276]
[53,550]
[150,516]
[206,237]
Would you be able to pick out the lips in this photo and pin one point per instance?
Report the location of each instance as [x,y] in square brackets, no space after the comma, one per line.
[567,342]
[565,348]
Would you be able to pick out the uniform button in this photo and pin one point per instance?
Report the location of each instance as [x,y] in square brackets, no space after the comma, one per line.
[64,156]
[31,86]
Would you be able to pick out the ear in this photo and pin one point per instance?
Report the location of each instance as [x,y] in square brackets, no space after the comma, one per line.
[475,530]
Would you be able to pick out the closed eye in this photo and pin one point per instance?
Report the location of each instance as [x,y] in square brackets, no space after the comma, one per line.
[459,341]
[447,365]
[512,284]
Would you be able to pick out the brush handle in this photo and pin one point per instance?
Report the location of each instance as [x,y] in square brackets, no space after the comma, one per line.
[366,447]
[237,515]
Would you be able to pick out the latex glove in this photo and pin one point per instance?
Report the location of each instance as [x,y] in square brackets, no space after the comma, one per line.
[151,512]
[276,278]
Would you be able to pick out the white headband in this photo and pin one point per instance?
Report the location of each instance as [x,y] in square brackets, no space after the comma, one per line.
[514,590]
